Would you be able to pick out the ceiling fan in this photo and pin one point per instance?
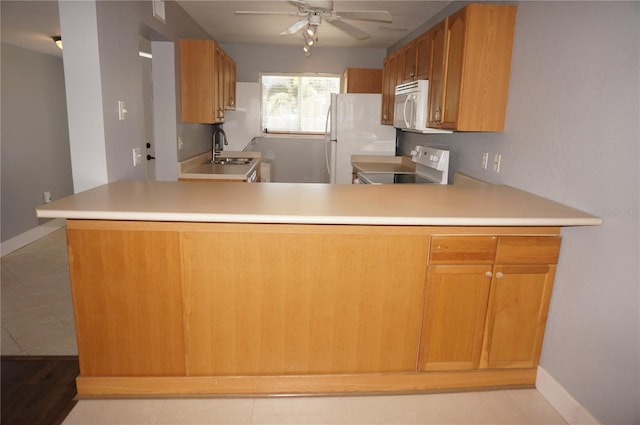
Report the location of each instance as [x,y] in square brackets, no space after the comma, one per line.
[313,12]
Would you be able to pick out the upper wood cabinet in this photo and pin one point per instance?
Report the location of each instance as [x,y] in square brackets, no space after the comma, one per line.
[467,60]
[207,81]
[408,62]
[229,83]
[474,56]
[361,80]
[390,78]
[423,56]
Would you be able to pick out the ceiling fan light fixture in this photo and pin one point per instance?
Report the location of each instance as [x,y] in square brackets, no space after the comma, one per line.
[312,30]
[308,40]
[58,40]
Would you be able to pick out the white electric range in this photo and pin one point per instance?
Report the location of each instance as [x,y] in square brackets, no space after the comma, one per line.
[432,166]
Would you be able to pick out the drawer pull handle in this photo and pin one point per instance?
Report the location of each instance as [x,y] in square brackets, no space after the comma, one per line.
[488,274]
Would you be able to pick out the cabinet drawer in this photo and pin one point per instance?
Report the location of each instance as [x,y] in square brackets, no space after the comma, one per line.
[462,249]
[528,250]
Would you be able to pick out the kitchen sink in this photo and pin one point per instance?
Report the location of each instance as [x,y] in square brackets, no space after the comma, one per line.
[232,161]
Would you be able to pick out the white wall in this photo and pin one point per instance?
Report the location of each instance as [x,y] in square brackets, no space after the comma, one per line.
[572,135]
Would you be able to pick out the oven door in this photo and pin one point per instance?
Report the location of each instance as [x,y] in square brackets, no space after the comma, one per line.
[391,178]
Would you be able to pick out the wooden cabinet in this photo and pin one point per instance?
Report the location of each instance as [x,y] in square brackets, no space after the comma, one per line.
[460,269]
[361,80]
[127,298]
[207,81]
[303,299]
[519,301]
[390,78]
[437,38]
[232,308]
[474,56]
[408,62]
[423,56]
[467,60]
[486,301]
[229,83]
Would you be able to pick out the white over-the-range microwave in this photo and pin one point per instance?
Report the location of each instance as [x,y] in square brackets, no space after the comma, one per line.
[410,111]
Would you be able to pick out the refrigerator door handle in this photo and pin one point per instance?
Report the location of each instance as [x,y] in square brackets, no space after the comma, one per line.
[327,142]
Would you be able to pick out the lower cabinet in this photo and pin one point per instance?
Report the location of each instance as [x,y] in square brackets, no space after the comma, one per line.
[184,308]
[127,298]
[454,317]
[517,315]
[490,309]
[274,300]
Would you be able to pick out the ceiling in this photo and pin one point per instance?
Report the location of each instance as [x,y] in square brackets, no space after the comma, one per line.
[31,24]
[220,21]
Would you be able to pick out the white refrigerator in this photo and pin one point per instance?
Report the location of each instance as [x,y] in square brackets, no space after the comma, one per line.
[353,128]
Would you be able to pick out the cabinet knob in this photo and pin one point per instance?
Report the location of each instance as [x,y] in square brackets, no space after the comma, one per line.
[488,274]
[499,275]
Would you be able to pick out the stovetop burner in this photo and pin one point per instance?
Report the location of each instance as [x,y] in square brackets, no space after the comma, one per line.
[432,166]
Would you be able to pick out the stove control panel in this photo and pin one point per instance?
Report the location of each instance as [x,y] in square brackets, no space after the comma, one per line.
[431,157]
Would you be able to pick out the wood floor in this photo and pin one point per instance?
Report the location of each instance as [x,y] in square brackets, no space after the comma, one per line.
[37,390]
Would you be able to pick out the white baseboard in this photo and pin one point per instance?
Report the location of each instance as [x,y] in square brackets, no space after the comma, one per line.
[562,401]
[32,235]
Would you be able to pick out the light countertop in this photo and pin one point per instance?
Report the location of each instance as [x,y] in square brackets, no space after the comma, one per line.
[382,164]
[465,204]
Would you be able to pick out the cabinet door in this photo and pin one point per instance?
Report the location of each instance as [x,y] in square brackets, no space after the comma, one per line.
[229,83]
[455,34]
[454,317]
[423,56]
[408,62]
[362,80]
[386,91]
[391,79]
[221,84]
[438,38]
[126,287]
[264,300]
[198,84]
[517,314]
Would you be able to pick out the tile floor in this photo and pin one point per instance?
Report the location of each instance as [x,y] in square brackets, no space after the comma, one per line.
[37,319]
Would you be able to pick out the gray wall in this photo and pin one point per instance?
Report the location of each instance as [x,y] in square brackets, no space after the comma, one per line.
[294,159]
[251,59]
[116,76]
[35,140]
[572,135]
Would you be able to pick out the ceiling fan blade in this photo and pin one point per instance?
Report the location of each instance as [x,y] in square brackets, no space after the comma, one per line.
[354,32]
[365,15]
[295,27]
[263,12]
[302,5]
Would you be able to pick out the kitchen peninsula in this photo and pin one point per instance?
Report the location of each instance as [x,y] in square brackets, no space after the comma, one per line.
[221,288]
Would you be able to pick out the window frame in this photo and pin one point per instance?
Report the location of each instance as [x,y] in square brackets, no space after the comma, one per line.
[291,74]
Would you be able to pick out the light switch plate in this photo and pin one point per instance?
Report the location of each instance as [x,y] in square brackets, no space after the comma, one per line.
[137,156]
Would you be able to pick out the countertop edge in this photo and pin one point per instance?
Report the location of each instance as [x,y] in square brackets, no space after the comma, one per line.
[294,219]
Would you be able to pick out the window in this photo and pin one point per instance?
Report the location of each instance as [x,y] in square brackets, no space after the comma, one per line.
[296,103]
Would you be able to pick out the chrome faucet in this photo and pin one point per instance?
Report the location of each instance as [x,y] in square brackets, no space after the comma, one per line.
[217,147]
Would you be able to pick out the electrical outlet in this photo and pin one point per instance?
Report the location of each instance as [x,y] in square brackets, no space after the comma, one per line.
[485,160]
[137,156]
[180,143]
[497,159]
[46,197]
